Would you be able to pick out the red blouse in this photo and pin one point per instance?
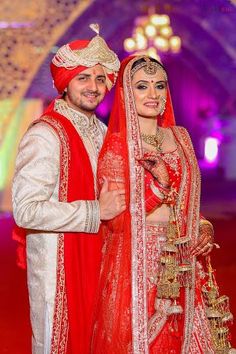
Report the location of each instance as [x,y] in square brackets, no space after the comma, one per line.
[155,193]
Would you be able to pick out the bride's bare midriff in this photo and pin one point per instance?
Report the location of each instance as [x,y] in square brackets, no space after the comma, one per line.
[160,214]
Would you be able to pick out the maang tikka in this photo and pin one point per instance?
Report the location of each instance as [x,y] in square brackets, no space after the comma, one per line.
[150,67]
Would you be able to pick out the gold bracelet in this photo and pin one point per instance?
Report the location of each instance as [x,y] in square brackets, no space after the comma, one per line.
[206,222]
[203,231]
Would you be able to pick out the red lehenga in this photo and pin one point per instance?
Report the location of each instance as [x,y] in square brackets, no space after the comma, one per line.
[130,318]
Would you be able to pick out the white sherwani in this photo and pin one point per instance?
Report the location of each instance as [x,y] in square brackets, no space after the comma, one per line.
[36,207]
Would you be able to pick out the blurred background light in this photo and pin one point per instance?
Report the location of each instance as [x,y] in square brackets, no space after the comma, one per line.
[211,150]
[154,34]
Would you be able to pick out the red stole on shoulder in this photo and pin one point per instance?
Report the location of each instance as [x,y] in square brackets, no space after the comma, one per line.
[82,251]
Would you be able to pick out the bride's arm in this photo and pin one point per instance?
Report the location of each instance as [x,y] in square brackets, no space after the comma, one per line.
[111,168]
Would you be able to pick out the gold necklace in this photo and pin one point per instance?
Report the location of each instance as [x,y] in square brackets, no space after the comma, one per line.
[155,140]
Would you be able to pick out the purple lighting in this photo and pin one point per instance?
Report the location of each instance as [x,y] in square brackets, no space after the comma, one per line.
[4,24]
[211,150]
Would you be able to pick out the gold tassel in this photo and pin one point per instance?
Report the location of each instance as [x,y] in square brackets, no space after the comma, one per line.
[218,313]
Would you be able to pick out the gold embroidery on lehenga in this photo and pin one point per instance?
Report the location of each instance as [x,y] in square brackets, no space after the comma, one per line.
[201,340]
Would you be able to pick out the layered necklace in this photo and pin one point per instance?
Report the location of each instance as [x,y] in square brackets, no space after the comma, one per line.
[155,140]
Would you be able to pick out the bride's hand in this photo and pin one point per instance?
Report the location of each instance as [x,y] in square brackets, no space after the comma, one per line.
[157,167]
[205,244]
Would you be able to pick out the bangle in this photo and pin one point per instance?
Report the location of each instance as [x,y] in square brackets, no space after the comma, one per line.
[206,222]
[152,202]
[155,190]
[208,229]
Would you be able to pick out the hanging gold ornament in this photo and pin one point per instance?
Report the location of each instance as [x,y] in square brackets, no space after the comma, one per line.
[218,313]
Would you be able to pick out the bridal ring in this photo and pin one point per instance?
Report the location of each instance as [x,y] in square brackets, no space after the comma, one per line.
[209,244]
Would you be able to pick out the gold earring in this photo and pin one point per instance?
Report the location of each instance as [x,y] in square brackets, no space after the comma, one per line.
[163,105]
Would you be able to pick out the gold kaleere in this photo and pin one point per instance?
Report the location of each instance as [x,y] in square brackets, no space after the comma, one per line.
[218,313]
[172,267]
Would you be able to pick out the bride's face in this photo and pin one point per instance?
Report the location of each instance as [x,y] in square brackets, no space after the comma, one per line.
[150,92]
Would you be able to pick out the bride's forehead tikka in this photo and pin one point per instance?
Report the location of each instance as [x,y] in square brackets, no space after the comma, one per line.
[150,67]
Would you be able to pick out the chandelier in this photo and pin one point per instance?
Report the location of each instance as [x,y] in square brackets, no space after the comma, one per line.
[152,35]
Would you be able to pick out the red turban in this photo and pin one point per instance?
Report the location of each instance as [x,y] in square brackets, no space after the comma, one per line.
[62,75]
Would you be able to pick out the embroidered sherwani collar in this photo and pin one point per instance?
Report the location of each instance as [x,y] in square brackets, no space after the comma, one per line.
[79,118]
[91,130]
